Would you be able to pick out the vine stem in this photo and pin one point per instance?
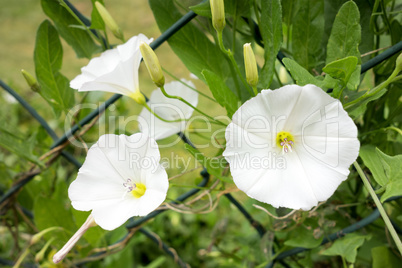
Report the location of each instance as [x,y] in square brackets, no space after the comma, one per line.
[381,209]
[392,78]
[189,104]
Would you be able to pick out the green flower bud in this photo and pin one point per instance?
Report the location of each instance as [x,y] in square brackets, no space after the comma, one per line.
[138,97]
[109,21]
[35,238]
[33,84]
[41,254]
[218,14]
[152,63]
[250,65]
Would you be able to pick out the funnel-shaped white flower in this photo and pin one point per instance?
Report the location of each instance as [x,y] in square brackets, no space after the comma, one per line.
[291,147]
[169,109]
[120,178]
[115,70]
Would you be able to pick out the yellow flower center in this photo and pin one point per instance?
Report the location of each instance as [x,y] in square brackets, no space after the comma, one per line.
[285,140]
[139,190]
[136,189]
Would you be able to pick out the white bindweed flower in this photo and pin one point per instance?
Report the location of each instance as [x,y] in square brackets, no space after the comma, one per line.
[291,147]
[115,70]
[120,178]
[169,109]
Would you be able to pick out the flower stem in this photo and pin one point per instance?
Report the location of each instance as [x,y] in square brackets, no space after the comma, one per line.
[190,87]
[74,239]
[161,118]
[192,106]
[381,209]
[375,90]
[229,54]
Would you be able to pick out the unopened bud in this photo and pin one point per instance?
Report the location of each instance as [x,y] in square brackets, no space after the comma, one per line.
[109,21]
[138,97]
[35,238]
[39,256]
[33,84]
[218,14]
[398,66]
[152,63]
[250,65]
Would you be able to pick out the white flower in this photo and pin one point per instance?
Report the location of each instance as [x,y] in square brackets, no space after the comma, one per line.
[115,70]
[120,178]
[169,109]
[291,147]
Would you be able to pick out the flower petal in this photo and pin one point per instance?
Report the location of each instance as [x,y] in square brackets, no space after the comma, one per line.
[169,109]
[115,70]
[100,182]
[325,145]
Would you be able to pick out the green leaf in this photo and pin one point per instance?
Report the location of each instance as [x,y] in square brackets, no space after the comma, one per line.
[383,257]
[346,247]
[392,169]
[360,107]
[203,9]
[18,145]
[79,40]
[48,56]
[51,211]
[308,30]
[223,95]
[341,69]
[301,75]
[302,237]
[214,166]
[354,80]
[271,32]
[96,19]
[191,45]
[346,34]
[372,161]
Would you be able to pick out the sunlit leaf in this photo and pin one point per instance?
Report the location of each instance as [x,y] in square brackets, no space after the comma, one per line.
[346,247]
[345,34]
[48,58]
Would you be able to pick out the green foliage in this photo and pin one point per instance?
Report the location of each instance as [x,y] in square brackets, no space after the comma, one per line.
[383,257]
[222,93]
[48,58]
[51,211]
[341,69]
[191,45]
[300,74]
[78,39]
[271,32]
[96,19]
[345,34]
[15,143]
[214,166]
[346,247]
[308,30]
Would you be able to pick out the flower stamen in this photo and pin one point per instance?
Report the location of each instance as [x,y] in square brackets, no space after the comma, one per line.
[285,140]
